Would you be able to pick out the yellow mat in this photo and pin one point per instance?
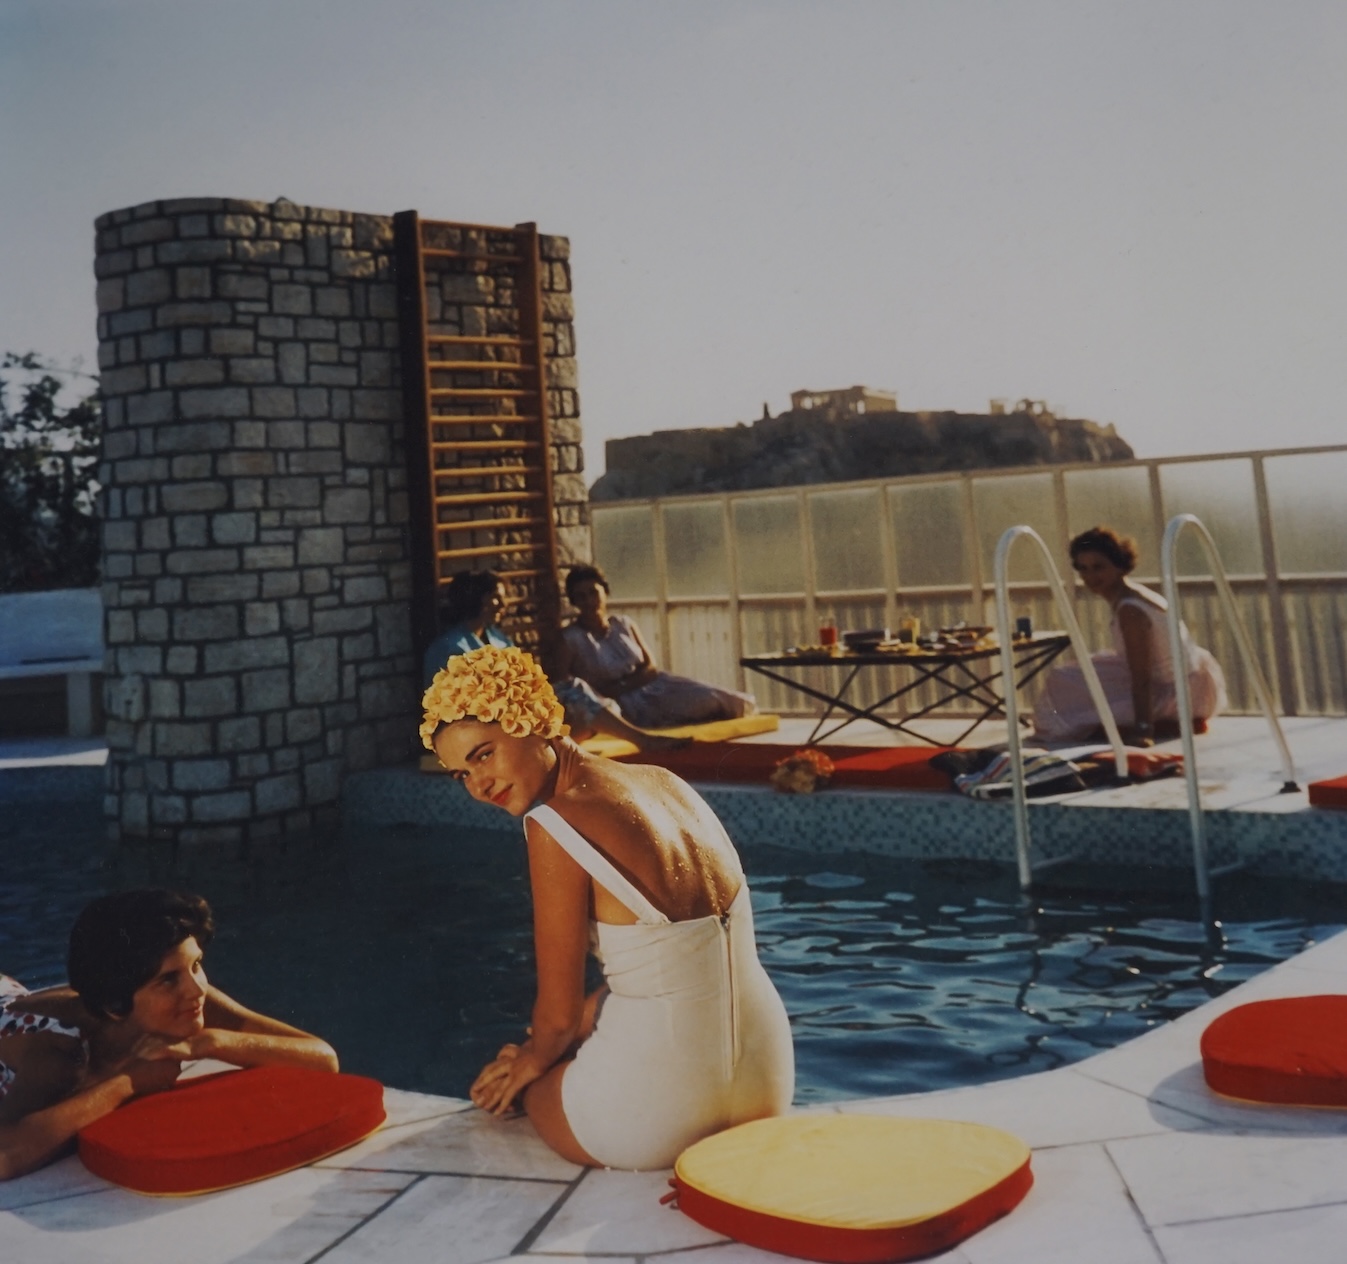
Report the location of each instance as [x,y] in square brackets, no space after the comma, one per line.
[615,747]
[716,731]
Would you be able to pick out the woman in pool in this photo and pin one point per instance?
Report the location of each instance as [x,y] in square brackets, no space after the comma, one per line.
[688,1036]
[137,1007]
[473,602]
[1138,673]
[608,651]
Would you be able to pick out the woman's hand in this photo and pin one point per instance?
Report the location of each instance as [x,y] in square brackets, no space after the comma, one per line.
[638,676]
[153,1075]
[514,1069]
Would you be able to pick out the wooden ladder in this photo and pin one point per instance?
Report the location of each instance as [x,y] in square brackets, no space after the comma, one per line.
[474,380]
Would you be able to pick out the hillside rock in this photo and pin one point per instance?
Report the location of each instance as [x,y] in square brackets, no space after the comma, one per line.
[808,447]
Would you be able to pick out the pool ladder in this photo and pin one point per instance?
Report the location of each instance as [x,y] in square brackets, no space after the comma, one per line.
[1183,697]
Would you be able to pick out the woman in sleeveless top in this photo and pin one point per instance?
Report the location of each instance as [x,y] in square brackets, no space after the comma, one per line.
[608,651]
[1137,675]
[688,1035]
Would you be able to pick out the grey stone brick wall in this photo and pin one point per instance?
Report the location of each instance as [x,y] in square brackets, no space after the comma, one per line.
[256,579]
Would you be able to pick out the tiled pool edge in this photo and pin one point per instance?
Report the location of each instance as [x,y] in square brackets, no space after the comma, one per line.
[1310,844]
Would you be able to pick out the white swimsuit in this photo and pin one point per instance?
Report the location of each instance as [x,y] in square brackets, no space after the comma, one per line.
[692,1038]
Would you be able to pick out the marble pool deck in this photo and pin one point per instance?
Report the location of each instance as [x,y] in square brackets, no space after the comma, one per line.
[1135,1162]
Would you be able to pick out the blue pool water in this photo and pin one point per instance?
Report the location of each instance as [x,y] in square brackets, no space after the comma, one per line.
[410,948]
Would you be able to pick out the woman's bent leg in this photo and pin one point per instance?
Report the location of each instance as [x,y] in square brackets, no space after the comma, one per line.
[542,1101]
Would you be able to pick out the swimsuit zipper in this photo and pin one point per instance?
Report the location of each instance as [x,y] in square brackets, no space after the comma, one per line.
[727,942]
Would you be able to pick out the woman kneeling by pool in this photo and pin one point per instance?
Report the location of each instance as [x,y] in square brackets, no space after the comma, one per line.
[137,1007]
[688,1036]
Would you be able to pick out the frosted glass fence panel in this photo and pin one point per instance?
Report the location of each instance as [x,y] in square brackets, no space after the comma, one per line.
[702,637]
[928,534]
[768,629]
[845,528]
[1015,500]
[769,545]
[1307,495]
[1120,499]
[1221,494]
[624,546]
[1204,613]
[1317,621]
[694,549]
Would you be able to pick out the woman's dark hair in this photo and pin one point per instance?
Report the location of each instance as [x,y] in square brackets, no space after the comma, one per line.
[578,575]
[464,595]
[118,943]
[1121,550]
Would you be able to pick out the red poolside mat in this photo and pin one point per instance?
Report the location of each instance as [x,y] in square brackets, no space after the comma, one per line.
[1329,794]
[888,767]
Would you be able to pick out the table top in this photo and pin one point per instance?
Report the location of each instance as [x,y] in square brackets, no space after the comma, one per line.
[841,656]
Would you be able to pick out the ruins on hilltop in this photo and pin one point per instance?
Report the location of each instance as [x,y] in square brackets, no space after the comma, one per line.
[846,435]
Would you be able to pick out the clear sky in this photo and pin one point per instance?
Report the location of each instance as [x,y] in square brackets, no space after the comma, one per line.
[1134,209]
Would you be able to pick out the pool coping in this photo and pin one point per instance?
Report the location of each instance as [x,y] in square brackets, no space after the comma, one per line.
[1308,843]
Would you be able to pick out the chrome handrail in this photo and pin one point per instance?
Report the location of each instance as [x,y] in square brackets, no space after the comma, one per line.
[1183,694]
[1097,695]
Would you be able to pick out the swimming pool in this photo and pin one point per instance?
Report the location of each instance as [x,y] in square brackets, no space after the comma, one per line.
[410,948]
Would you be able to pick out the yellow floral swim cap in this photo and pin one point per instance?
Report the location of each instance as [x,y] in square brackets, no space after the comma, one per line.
[494,684]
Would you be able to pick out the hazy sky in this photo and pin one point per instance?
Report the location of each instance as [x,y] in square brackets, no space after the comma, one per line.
[1134,210]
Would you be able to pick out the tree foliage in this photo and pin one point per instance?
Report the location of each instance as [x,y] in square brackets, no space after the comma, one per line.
[49,536]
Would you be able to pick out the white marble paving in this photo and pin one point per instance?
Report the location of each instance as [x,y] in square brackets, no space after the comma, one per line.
[467,1143]
[449,1220]
[1078,1212]
[1055,1108]
[290,1217]
[1314,1235]
[1203,1176]
[62,1179]
[616,1212]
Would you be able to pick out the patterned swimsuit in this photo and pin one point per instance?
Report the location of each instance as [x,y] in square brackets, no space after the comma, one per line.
[18,1023]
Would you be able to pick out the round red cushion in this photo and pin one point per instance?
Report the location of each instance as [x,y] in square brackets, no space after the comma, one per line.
[1292,1051]
[228,1129]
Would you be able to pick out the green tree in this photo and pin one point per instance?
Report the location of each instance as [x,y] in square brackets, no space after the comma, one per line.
[49,535]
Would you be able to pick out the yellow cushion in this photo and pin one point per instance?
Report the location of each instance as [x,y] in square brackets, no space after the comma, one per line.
[616,747]
[716,731]
[852,1188]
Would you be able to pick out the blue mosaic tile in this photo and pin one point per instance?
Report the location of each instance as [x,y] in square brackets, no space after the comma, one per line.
[1307,844]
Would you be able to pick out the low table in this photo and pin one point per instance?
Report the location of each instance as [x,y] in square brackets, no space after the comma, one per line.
[961,673]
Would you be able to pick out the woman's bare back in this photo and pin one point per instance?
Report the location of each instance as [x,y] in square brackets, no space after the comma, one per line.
[656,829]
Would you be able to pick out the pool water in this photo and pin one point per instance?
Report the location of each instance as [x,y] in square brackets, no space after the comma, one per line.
[410,948]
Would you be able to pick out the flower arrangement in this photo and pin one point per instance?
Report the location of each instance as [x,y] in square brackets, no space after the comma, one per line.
[803,772]
[497,685]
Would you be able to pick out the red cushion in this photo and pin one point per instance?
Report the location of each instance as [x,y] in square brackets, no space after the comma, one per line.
[232,1128]
[1292,1051]
[1329,794]
[894,767]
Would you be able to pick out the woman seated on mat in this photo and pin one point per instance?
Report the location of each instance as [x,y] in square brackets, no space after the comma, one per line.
[1137,675]
[137,1007]
[692,1038]
[608,651]
[474,601]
